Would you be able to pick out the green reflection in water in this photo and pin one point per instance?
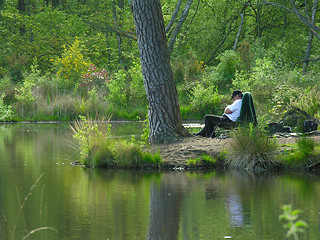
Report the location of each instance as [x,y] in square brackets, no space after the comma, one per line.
[103,204]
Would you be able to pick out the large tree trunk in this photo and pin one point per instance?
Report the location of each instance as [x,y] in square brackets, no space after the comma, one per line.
[164,112]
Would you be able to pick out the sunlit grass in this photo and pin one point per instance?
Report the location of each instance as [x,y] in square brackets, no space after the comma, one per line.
[201,161]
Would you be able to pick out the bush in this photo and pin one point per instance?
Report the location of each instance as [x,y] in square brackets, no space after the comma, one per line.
[117,89]
[225,72]
[6,112]
[71,65]
[205,100]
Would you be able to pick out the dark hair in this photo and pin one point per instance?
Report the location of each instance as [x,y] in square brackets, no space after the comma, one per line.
[236,93]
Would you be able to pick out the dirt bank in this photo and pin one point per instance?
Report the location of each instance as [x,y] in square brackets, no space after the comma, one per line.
[177,154]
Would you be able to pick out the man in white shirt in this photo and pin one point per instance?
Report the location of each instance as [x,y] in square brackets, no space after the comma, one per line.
[231,114]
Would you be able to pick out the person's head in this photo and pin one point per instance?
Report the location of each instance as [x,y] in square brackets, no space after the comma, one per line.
[237,94]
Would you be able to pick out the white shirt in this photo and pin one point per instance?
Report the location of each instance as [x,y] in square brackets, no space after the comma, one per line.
[235,108]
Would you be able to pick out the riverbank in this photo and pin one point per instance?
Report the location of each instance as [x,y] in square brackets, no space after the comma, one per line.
[176,155]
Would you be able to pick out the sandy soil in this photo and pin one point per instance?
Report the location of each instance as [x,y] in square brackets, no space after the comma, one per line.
[177,154]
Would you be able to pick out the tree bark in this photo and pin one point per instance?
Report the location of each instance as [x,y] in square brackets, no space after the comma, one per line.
[164,111]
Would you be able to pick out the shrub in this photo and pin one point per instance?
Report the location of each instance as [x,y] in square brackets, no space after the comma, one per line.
[205,100]
[71,65]
[117,91]
[251,146]
[138,94]
[94,77]
[309,102]
[6,112]
[230,63]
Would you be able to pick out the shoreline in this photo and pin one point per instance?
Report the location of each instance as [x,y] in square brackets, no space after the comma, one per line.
[176,155]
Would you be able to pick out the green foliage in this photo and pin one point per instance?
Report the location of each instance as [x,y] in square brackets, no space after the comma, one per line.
[137,94]
[146,131]
[16,67]
[88,135]
[275,89]
[301,155]
[225,71]
[293,225]
[264,63]
[205,100]
[6,112]
[309,102]
[250,146]
[202,161]
[98,149]
[72,65]
[117,92]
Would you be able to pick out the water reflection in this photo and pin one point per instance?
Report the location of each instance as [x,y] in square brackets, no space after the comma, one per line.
[104,204]
[166,199]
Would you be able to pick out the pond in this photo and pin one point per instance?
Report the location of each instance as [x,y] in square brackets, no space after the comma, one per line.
[43,195]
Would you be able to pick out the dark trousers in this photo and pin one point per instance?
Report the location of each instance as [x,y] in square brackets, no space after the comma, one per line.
[210,122]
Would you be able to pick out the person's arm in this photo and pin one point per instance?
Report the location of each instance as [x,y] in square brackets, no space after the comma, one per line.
[227,111]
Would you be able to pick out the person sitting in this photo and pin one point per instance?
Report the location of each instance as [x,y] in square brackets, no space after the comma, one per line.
[230,116]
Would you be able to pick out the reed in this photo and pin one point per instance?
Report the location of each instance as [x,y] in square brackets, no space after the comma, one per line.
[20,215]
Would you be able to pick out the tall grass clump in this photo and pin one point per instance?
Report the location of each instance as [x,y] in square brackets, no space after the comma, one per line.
[251,146]
[99,149]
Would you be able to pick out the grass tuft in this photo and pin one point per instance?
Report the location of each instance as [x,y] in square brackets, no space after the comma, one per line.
[249,147]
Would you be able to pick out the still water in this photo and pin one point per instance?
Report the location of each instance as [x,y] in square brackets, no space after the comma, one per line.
[43,195]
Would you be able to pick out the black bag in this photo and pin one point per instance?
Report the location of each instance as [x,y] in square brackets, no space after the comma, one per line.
[309,126]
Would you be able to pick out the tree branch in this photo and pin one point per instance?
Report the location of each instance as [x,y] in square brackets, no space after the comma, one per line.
[109,28]
[179,24]
[173,17]
[302,18]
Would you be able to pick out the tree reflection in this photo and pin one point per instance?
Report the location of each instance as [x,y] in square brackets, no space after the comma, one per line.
[166,199]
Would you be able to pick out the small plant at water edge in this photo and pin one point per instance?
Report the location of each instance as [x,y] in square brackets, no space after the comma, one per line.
[293,225]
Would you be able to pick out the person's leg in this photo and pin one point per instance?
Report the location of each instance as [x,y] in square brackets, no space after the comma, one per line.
[209,124]
[211,121]
[202,132]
